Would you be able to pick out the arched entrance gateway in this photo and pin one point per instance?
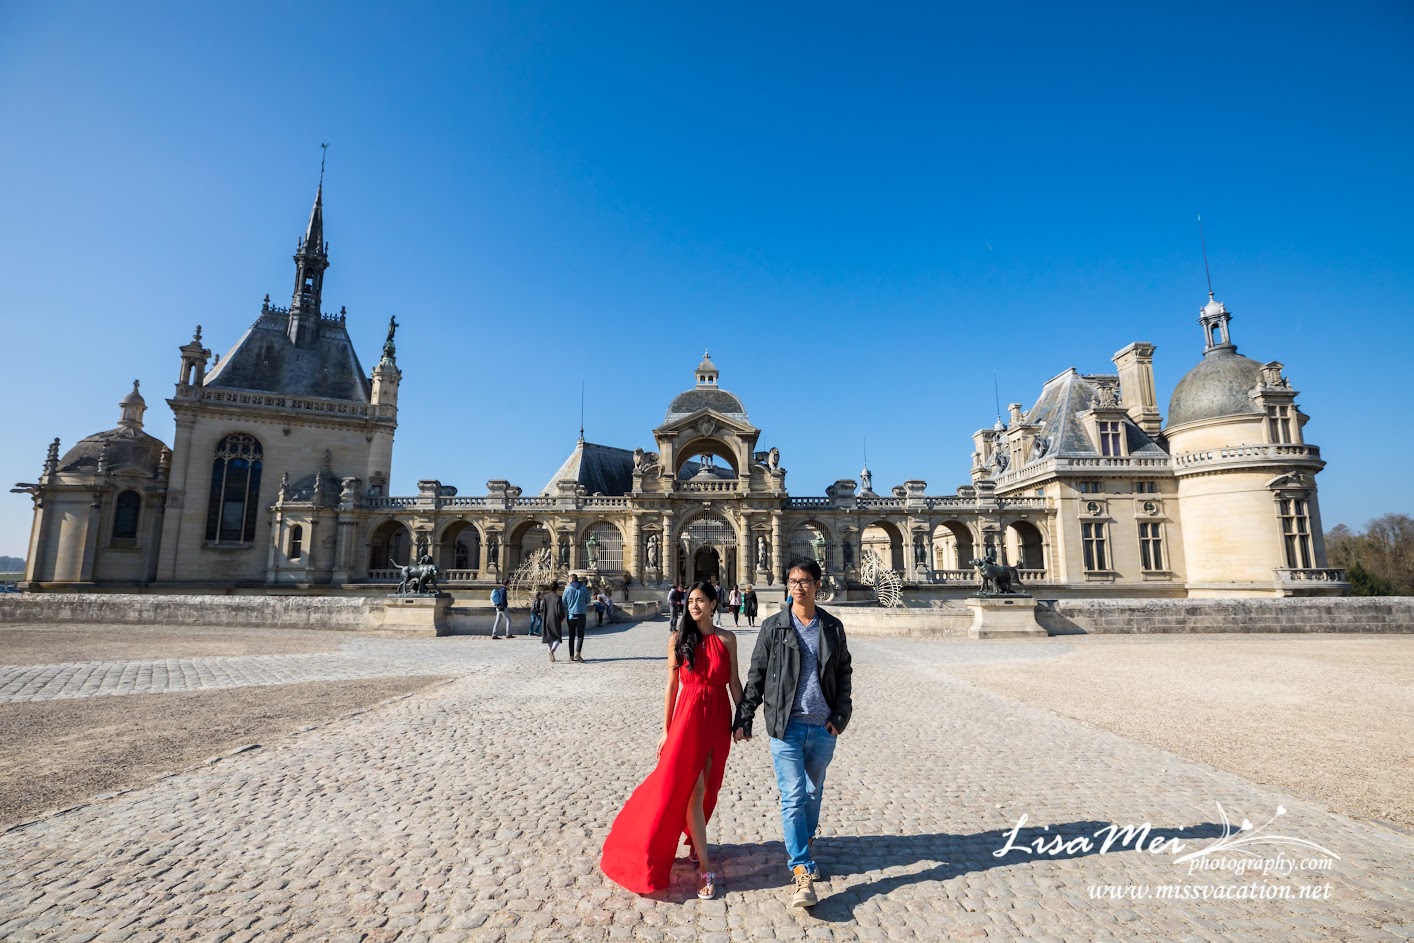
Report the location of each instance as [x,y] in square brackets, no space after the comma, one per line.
[708,550]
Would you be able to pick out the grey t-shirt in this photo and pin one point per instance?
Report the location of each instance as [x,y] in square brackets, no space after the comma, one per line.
[810,706]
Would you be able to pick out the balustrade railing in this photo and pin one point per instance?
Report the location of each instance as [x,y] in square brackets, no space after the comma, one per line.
[806,504]
[459,576]
[332,407]
[385,576]
[707,487]
[1311,575]
[880,502]
[1247,453]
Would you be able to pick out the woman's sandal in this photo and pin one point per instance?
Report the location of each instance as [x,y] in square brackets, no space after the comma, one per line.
[707,885]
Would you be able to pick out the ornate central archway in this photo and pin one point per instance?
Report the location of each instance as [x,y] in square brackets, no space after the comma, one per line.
[707,550]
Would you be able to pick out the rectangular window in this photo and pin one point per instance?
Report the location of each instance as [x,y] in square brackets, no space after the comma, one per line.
[1279,424]
[1110,433]
[1093,540]
[1151,547]
[1296,532]
[1088,487]
[1146,487]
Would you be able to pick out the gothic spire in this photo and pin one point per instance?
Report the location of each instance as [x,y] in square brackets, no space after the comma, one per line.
[311,260]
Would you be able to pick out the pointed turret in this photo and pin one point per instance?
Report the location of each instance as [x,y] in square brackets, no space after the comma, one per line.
[311,261]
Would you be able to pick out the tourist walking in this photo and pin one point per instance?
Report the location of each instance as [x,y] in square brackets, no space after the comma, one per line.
[500,598]
[734,604]
[750,605]
[678,797]
[801,671]
[552,617]
[576,615]
[721,602]
[676,597]
[603,606]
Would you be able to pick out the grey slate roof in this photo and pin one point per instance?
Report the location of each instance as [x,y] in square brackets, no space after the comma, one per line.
[265,359]
[601,469]
[689,402]
[127,448]
[1058,410]
[1217,386]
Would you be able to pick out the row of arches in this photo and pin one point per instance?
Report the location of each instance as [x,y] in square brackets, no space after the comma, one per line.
[709,547]
[462,546]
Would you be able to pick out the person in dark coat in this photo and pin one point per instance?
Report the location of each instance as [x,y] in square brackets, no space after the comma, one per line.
[749,605]
[551,609]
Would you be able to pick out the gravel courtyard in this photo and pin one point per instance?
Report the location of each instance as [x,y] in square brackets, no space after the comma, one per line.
[459,789]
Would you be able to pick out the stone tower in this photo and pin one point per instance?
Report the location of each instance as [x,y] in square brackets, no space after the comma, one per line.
[1246,477]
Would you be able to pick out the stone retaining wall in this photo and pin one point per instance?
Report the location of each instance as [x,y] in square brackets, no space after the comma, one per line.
[283,612]
[1342,614]
[950,619]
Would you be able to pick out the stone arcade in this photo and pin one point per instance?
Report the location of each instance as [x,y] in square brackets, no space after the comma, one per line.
[279,472]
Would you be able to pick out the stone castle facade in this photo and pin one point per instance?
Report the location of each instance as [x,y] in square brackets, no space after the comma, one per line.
[278,478]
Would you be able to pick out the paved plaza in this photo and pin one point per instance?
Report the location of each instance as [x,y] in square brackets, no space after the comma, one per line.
[474,810]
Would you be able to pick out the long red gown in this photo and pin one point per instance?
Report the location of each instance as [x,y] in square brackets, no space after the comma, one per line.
[639,852]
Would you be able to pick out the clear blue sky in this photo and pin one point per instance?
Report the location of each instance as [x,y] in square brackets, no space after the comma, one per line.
[863,210]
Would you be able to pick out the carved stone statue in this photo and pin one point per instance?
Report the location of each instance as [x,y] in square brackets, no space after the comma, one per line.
[592,545]
[763,559]
[564,553]
[638,460]
[920,552]
[818,543]
[652,551]
[773,459]
[493,552]
[1001,453]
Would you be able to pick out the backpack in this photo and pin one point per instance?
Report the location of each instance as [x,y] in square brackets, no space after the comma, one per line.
[498,596]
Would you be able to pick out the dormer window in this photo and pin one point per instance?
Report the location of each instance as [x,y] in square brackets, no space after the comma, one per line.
[1111,438]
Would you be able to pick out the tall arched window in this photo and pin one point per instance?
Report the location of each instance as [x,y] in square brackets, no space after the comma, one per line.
[235,490]
[125,516]
[296,541]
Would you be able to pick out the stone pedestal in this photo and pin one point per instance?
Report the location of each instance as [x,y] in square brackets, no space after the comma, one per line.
[424,616]
[1004,617]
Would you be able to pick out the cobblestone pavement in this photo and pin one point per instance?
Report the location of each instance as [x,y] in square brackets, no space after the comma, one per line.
[475,811]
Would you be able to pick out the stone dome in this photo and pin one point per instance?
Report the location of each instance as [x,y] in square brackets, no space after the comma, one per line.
[130,449]
[1216,387]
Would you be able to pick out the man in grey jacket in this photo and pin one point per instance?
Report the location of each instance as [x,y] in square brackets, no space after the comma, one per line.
[801,672]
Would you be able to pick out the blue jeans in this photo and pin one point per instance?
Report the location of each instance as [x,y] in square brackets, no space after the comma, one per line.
[535,623]
[801,760]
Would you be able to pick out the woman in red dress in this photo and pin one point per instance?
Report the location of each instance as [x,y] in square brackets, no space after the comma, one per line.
[679,795]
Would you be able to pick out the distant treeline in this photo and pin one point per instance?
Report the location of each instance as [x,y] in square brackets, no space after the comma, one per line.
[1379,561]
[11,564]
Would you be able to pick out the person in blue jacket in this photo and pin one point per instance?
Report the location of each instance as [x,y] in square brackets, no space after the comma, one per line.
[577,613]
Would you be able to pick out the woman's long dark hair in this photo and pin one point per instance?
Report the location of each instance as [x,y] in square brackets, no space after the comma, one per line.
[689,633]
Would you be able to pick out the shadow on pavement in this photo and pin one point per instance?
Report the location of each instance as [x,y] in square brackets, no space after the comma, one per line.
[853,857]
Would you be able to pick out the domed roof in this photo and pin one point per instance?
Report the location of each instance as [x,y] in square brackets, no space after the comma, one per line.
[127,448]
[1216,387]
[706,395]
[689,402]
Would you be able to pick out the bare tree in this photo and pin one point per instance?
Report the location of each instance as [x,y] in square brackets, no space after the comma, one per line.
[1379,561]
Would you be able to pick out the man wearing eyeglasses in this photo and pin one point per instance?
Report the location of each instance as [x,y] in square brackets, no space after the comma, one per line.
[801,672]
